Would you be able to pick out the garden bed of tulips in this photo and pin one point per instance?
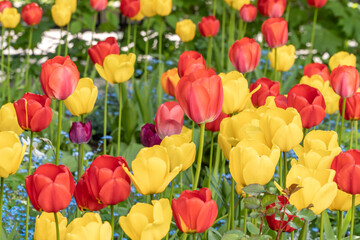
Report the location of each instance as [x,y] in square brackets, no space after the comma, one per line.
[219,120]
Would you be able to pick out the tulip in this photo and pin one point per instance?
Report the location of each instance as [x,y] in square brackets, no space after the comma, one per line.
[61,14]
[147,221]
[252,162]
[189,62]
[138,16]
[285,58]
[186,30]
[33,112]
[316,3]
[148,135]
[245,55]
[248,13]
[209,26]
[169,80]
[117,68]
[102,49]
[98,5]
[151,170]
[200,94]
[187,133]
[267,88]
[237,4]
[147,8]
[80,132]
[50,187]
[9,17]
[271,8]
[59,77]
[107,181]
[214,126]
[83,99]
[275,31]
[317,69]
[342,201]
[344,81]
[181,151]
[275,224]
[5,4]
[89,226]
[45,228]
[31,14]
[194,211]
[352,107]
[71,3]
[162,7]
[169,119]
[8,119]
[130,8]
[342,58]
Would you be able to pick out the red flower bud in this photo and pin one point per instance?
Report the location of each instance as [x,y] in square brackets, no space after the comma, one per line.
[31,14]
[80,132]
[189,62]
[275,31]
[272,8]
[130,8]
[352,107]
[248,12]
[317,68]
[98,5]
[169,119]
[209,26]
[4,4]
[245,55]
[344,80]
[316,3]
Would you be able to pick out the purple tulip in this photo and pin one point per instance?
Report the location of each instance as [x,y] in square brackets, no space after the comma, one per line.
[148,135]
[80,133]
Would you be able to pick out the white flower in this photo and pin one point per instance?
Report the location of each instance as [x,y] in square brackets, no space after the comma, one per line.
[35,151]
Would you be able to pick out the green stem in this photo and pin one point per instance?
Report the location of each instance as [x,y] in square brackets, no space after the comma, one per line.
[184,236]
[313,35]
[200,154]
[288,11]
[27,61]
[59,47]
[172,190]
[244,30]
[281,172]
[239,217]
[129,35]
[146,51]
[351,133]
[339,224]
[57,226]
[329,123]
[80,163]
[119,122]
[214,8]
[134,51]
[209,52]
[275,66]
[352,217]
[337,122]
[194,236]
[232,204]
[292,235]
[231,34]
[8,69]
[223,26]
[211,158]
[27,197]
[105,115]
[304,230]
[266,63]
[112,221]
[240,31]
[92,38]
[2,58]
[245,219]
[181,181]
[58,133]
[342,120]
[159,88]
[356,134]
[217,162]
[1,202]
[322,226]
[285,169]
[66,39]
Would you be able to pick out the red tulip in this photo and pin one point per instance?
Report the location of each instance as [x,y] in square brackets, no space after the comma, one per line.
[33,112]
[31,14]
[344,80]
[189,62]
[268,88]
[82,196]
[98,5]
[245,55]
[107,181]
[130,8]
[273,223]
[352,107]
[50,188]
[317,68]
[316,3]
[102,49]
[59,77]
[275,31]
[169,119]
[347,167]
[194,211]
[200,94]
[5,4]
[214,126]
[271,8]
[248,12]
[209,26]
[80,132]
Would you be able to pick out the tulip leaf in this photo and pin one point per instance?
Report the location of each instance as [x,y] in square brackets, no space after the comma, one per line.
[329,232]
[268,199]
[346,223]
[254,189]
[252,203]
[252,228]
[255,214]
[233,235]
[306,214]
[296,223]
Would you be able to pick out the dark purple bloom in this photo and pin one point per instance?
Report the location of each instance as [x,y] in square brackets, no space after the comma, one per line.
[80,132]
[148,135]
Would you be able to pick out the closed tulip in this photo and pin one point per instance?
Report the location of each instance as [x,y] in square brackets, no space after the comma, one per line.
[71,3]
[98,5]
[194,211]
[149,136]
[59,77]
[186,30]
[151,170]
[248,13]
[316,3]
[245,55]
[285,58]
[344,81]
[9,17]
[267,88]
[342,58]
[275,32]
[271,8]
[147,8]
[169,80]
[102,49]
[214,126]
[317,69]
[169,119]
[343,201]
[200,94]
[50,187]
[107,181]
[8,119]
[33,112]
[209,26]
[162,7]
[45,228]
[190,61]
[5,4]
[117,68]
[276,224]
[89,226]
[83,99]
[147,221]
[80,132]
[352,107]
[130,8]
[237,4]
[61,14]
[31,14]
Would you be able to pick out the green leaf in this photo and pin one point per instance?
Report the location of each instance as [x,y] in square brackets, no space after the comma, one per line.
[268,199]
[233,235]
[252,228]
[329,232]
[75,27]
[346,223]
[254,189]
[69,161]
[131,151]
[306,214]
[296,223]
[252,203]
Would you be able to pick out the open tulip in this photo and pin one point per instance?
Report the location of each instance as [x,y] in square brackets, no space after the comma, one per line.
[342,58]
[214,126]
[80,132]
[169,119]
[316,3]
[275,31]
[5,4]
[190,61]
[102,49]
[50,188]
[186,30]
[71,3]
[345,80]
[130,8]
[271,8]
[245,55]
[8,119]
[169,80]
[31,14]
[237,4]
[98,5]
[276,224]
[45,228]
[149,136]
[9,17]
[285,58]
[209,26]
[317,69]
[352,107]
[61,14]
[248,13]
[147,221]
[267,88]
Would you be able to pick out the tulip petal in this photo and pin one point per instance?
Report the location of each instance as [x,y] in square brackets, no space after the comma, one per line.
[114,191]
[54,197]
[207,216]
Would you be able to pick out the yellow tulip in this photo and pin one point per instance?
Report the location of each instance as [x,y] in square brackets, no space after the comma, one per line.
[163,7]
[71,3]
[138,17]
[186,133]
[342,58]
[181,152]
[10,18]
[147,8]
[83,99]
[186,30]
[148,221]
[282,128]
[285,58]
[11,152]
[45,228]
[237,4]
[8,119]
[61,14]
[151,170]
[89,226]
[252,162]
[343,201]
[117,68]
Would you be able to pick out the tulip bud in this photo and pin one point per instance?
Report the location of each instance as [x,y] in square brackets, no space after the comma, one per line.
[344,81]
[169,119]
[285,58]
[31,14]
[130,8]
[61,14]
[8,119]
[275,32]
[209,26]
[189,62]
[45,228]
[70,3]
[352,107]
[102,49]
[237,4]
[268,88]
[162,7]
[248,13]
[342,58]
[9,17]
[5,4]
[80,132]
[185,29]
[149,136]
[317,69]
[245,55]
[271,8]
[98,5]
[316,3]
[147,8]
[169,80]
